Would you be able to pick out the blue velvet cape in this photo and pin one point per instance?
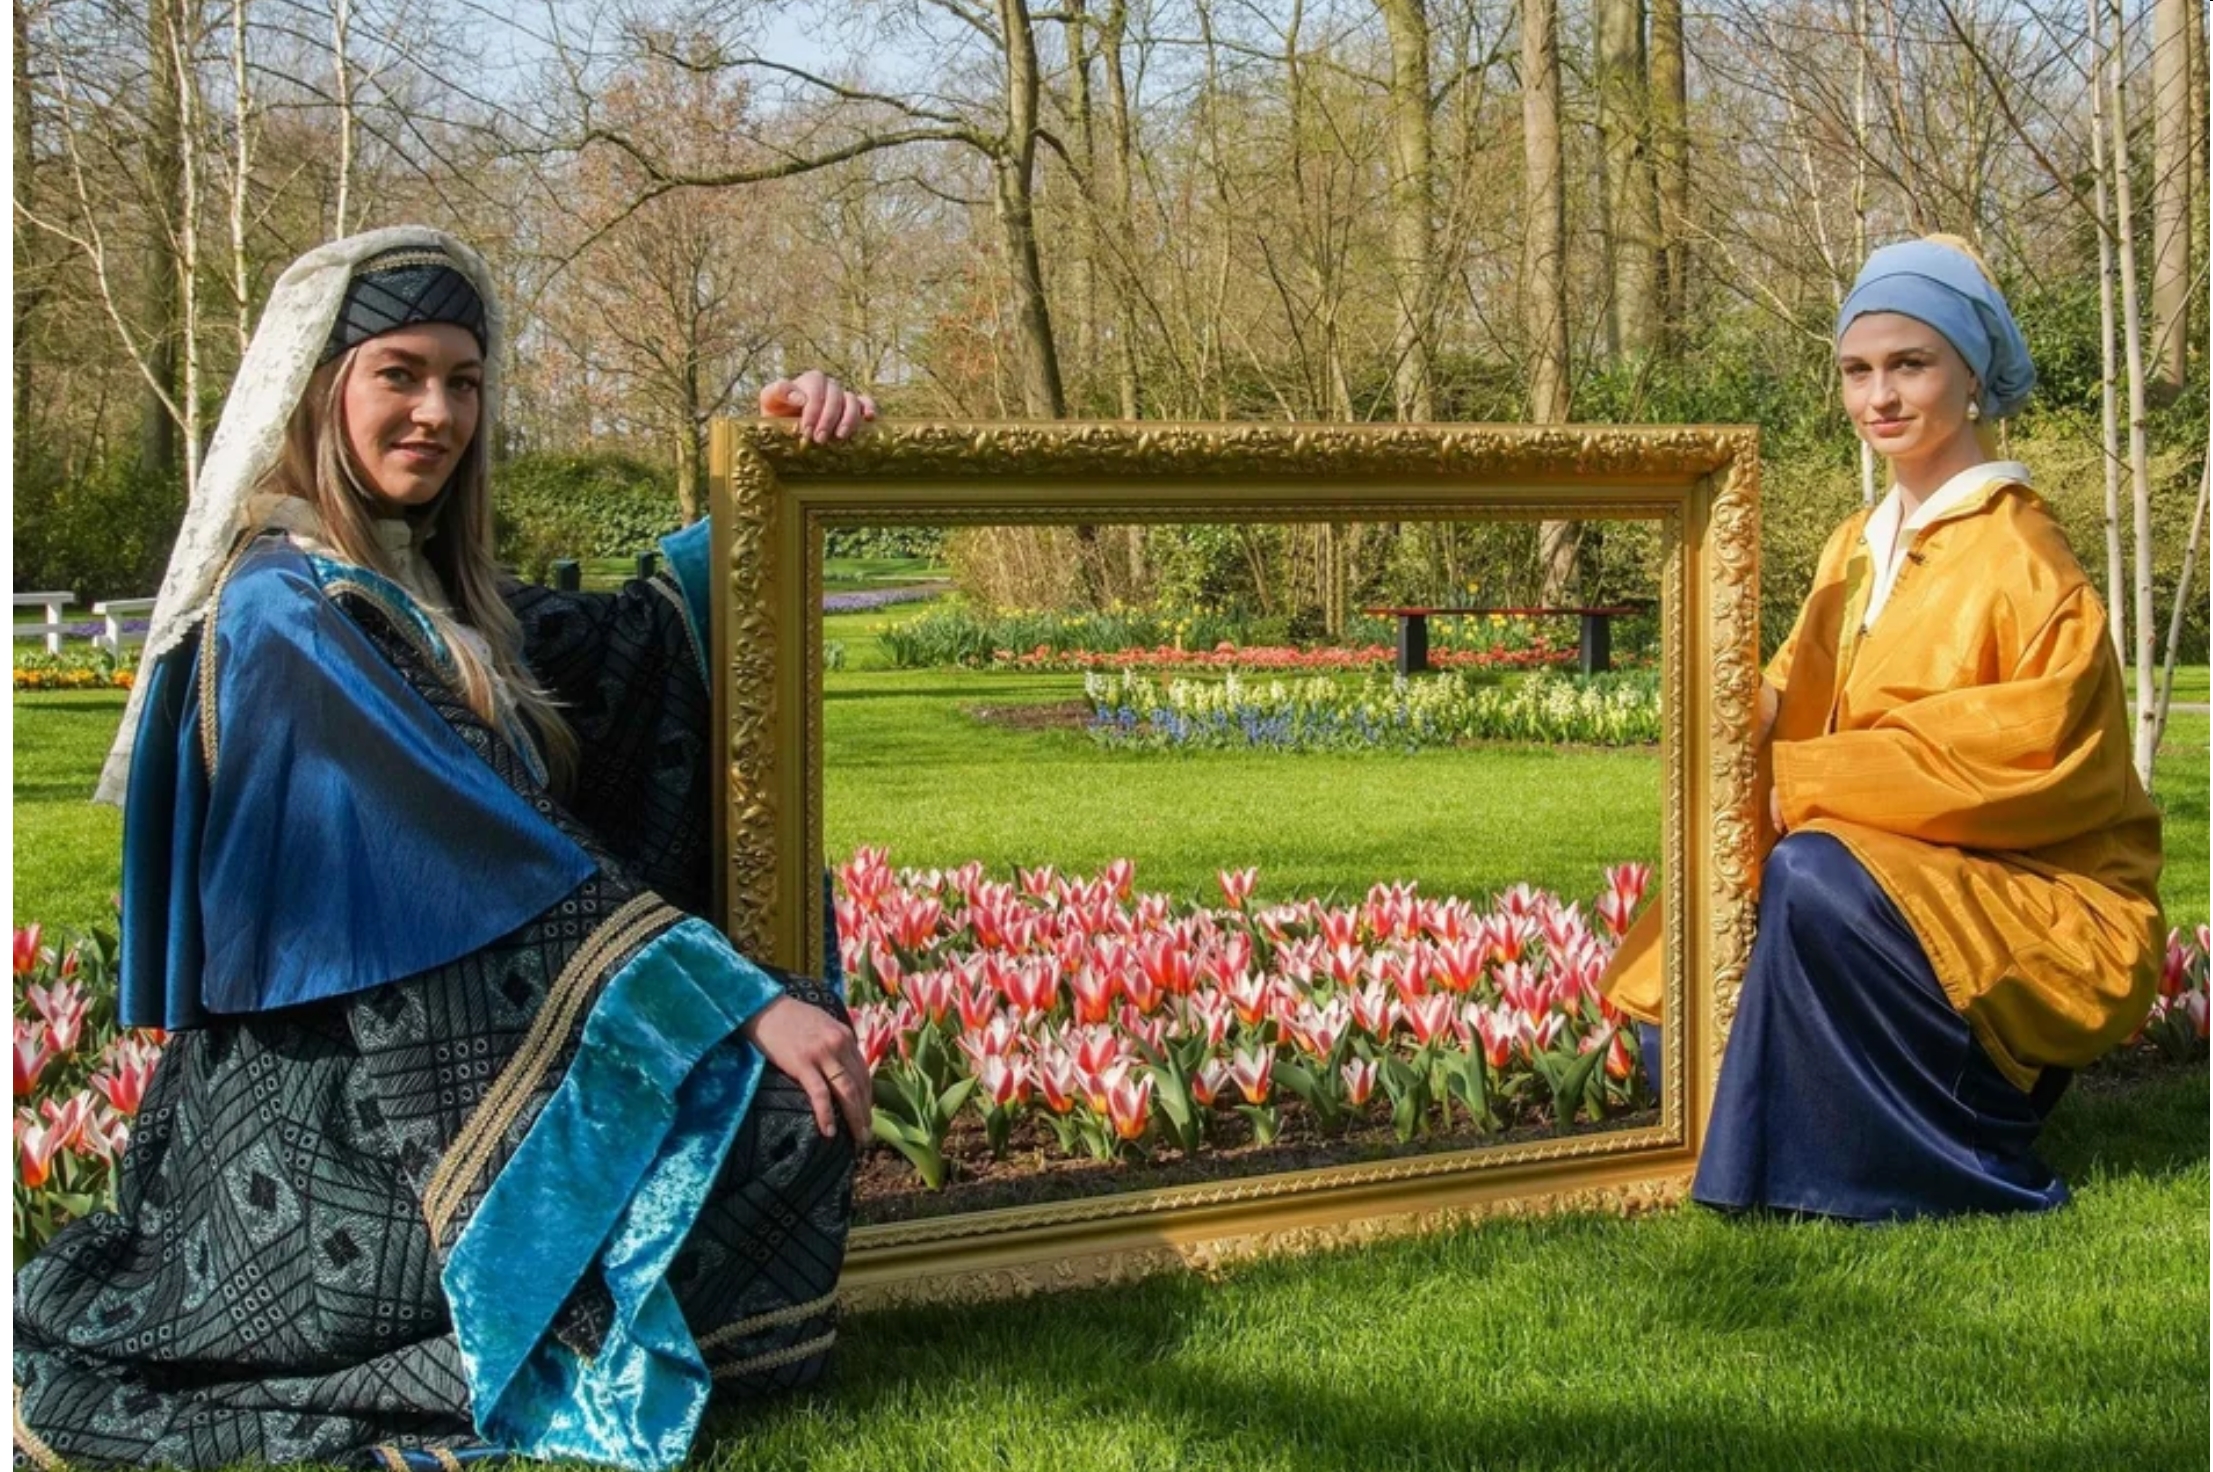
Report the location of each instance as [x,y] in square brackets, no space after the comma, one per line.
[460,1147]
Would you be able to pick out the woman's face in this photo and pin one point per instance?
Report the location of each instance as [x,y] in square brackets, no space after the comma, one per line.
[1907,390]
[409,408]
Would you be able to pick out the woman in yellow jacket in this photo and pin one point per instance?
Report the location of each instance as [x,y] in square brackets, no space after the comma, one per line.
[1963,907]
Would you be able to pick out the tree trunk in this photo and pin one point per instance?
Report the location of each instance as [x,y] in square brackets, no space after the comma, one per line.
[1544,257]
[184,43]
[242,160]
[1014,171]
[1128,382]
[2172,186]
[1860,156]
[1629,218]
[2109,442]
[1083,261]
[26,282]
[341,62]
[1413,248]
[2139,450]
[165,145]
[2201,122]
[1671,161]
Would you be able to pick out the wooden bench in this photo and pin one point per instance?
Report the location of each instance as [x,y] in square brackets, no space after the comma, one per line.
[1595,649]
[53,629]
[112,613]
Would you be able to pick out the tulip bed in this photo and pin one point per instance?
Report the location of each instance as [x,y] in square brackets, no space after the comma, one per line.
[1131,711]
[1071,1017]
[1261,657]
[78,1082]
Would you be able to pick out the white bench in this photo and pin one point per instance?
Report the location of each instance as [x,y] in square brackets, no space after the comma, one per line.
[53,628]
[112,613]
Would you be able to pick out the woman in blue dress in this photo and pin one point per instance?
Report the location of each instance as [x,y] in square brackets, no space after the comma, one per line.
[474,1137]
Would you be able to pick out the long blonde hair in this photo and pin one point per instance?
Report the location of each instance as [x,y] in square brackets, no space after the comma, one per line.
[318,468]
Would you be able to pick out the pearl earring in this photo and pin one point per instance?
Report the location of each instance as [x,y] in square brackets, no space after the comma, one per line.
[1974,411]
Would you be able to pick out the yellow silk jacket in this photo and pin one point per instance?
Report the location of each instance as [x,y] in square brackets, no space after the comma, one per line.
[1972,750]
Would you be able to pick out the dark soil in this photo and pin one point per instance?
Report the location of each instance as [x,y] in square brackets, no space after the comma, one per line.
[1052,715]
[2124,1068]
[1034,1172]
[886,1188]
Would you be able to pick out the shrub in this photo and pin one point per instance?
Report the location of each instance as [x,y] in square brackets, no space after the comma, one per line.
[926,542]
[101,533]
[550,506]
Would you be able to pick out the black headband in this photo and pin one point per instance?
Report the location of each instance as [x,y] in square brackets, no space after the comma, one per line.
[402,288]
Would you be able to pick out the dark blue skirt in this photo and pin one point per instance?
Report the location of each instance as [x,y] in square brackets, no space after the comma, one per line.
[1851,1086]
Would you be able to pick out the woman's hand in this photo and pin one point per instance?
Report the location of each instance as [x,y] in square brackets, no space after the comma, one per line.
[826,409]
[820,1054]
[1775,812]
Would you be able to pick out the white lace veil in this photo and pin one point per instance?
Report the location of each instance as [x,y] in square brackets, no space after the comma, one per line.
[284,352]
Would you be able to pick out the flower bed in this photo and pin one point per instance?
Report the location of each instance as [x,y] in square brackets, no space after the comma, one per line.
[867,599]
[1233,657]
[1071,1017]
[1131,711]
[955,634]
[78,1083]
[91,669]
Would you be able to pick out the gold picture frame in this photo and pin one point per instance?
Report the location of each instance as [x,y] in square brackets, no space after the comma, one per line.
[774,495]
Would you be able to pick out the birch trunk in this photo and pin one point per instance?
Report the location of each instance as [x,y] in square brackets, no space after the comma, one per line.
[165,146]
[341,26]
[2139,451]
[2172,187]
[25,303]
[184,45]
[1859,198]
[2116,569]
[242,113]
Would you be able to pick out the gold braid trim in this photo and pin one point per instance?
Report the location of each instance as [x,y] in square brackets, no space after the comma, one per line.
[446,1458]
[473,1146]
[34,1446]
[684,616]
[774,1319]
[391,1458]
[776,1359]
[207,654]
[438,658]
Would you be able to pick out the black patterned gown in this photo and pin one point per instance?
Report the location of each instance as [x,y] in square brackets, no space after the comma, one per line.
[459,1148]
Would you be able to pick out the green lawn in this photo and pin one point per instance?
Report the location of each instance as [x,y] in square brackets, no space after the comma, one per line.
[1677,1341]
[839,574]
[1682,1340]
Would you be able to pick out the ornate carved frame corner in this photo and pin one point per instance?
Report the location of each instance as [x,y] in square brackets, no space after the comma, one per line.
[773,498]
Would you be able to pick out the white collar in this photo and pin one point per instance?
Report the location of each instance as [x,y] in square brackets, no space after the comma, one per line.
[1885,535]
[1944,500]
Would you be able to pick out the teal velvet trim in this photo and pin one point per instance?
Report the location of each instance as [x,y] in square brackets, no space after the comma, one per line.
[687,552]
[609,1180]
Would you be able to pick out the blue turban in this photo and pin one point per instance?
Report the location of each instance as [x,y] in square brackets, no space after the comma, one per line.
[1943,287]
